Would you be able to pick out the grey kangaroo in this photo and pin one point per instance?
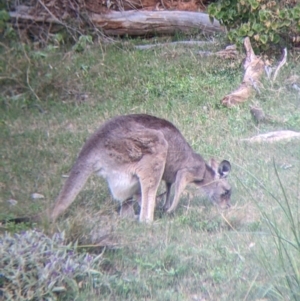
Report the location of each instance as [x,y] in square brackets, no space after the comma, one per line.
[134,153]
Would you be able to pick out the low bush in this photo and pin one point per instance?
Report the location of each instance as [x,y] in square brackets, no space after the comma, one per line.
[267,23]
[36,267]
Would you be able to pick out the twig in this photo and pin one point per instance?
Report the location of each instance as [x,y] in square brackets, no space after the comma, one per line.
[49,12]
[28,84]
[283,61]
[41,110]
[12,79]
[4,46]
[205,53]
[57,20]
[250,287]
[92,246]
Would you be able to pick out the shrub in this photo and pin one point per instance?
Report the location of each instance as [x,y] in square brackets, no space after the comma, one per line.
[36,267]
[267,23]
[5,28]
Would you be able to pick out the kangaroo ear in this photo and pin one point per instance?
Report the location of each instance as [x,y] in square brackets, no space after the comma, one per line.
[224,168]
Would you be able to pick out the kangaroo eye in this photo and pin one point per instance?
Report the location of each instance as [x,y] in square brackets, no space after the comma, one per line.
[198,182]
[227,192]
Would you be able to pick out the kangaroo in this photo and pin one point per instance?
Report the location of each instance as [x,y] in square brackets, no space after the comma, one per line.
[134,153]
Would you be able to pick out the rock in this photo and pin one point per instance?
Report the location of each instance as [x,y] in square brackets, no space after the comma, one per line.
[36,196]
[12,202]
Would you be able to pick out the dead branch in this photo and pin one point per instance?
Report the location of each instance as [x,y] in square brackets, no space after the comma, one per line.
[254,68]
[229,52]
[282,62]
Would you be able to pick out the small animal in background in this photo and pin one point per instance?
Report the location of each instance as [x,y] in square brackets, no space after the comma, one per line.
[134,153]
[257,114]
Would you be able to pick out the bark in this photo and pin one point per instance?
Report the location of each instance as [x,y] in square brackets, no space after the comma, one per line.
[134,23]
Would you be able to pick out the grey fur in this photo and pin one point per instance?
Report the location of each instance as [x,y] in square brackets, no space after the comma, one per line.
[134,153]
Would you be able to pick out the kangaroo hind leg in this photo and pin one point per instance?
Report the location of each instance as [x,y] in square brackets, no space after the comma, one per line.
[149,170]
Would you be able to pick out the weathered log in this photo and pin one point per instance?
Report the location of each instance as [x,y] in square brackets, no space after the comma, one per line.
[135,23]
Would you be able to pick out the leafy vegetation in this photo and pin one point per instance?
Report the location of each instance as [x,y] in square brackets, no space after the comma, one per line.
[267,23]
[53,99]
[36,267]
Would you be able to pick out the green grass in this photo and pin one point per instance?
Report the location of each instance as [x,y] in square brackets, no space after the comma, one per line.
[198,253]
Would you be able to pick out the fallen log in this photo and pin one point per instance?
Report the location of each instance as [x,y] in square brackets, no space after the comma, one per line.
[133,23]
[136,23]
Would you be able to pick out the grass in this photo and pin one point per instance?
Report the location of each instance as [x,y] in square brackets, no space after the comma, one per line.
[250,252]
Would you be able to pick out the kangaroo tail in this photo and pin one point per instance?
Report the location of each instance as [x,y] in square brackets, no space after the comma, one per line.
[79,174]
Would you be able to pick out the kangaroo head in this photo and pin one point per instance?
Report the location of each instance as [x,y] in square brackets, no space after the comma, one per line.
[215,183]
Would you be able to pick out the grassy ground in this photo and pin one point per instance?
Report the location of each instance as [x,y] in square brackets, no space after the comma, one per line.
[250,252]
